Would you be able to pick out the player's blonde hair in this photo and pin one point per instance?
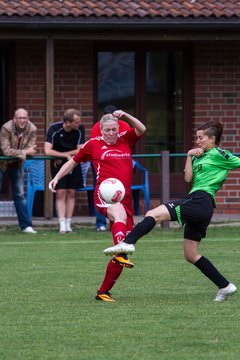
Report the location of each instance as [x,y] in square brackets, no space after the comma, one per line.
[108,118]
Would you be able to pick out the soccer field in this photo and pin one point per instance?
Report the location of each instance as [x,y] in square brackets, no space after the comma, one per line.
[164,306]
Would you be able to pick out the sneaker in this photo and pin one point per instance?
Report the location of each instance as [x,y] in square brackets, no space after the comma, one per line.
[106,297]
[62,225]
[29,230]
[101,228]
[121,247]
[62,229]
[123,260]
[67,225]
[223,293]
[68,229]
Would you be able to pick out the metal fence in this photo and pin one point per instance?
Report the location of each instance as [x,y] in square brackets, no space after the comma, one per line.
[164,157]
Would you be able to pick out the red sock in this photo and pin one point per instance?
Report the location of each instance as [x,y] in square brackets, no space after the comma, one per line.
[118,232]
[113,272]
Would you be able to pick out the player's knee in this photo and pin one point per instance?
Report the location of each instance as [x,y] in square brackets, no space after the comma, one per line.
[191,258]
[150,213]
[117,213]
[158,214]
[60,194]
[121,218]
[187,258]
[71,193]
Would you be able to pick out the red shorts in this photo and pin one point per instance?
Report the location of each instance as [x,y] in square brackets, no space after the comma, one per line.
[126,202]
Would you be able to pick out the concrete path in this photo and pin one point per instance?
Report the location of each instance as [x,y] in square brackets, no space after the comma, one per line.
[217,220]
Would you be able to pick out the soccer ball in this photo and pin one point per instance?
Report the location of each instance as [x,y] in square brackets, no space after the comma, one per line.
[111,190]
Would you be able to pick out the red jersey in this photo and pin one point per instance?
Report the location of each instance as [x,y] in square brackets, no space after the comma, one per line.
[123,126]
[110,160]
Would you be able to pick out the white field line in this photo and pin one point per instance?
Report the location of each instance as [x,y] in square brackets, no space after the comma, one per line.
[82,242]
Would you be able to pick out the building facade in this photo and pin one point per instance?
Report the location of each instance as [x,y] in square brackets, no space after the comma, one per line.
[174,65]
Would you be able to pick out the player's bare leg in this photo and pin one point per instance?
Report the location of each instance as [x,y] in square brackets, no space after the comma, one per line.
[153,217]
[117,214]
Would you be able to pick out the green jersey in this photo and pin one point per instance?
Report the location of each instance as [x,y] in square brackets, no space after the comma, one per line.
[211,169]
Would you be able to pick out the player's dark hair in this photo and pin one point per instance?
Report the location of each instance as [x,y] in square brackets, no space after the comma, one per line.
[109,109]
[213,128]
[69,115]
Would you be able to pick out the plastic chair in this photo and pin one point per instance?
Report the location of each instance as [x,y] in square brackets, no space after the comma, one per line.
[35,182]
[86,167]
[143,186]
[34,170]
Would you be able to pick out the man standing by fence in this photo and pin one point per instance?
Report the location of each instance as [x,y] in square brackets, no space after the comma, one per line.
[63,140]
[18,139]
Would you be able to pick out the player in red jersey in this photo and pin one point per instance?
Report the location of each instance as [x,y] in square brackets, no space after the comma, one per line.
[95,132]
[111,156]
[122,125]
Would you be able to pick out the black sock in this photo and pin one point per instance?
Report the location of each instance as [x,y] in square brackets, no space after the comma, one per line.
[142,228]
[209,270]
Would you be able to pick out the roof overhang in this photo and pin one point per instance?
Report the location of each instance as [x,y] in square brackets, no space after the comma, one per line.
[114,27]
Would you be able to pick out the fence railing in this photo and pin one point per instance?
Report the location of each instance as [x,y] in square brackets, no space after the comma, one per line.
[164,156]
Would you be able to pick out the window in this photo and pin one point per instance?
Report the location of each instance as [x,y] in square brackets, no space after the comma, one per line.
[4,102]
[154,85]
[4,85]
[116,81]
[164,104]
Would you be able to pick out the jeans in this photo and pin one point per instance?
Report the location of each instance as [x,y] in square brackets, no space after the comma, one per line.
[100,220]
[16,178]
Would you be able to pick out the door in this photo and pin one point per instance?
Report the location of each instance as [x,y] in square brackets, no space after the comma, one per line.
[154,85]
[5,65]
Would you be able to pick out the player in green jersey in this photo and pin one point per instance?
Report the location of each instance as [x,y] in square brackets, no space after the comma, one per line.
[207,167]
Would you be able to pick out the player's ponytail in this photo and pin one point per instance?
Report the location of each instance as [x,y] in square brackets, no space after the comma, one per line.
[213,128]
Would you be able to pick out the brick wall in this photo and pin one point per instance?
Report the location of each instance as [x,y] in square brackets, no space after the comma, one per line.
[217,97]
[30,83]
[216,94]
[73,78]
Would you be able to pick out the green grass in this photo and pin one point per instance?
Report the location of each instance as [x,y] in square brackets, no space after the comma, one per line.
[164,308]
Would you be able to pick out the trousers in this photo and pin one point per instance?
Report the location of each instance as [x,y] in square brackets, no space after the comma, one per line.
[16,178]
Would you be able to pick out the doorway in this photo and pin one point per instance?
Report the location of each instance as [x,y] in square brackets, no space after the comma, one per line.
[155,86]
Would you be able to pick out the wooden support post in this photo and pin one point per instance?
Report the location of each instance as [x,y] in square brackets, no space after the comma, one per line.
[165,182]
[48,196]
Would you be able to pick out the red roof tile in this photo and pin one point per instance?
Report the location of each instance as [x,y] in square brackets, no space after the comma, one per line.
[122,8]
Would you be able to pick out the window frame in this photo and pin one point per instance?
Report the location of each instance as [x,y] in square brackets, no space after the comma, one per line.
[140,50]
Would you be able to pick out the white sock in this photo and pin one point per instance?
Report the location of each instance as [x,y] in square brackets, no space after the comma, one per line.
[68,224]
[62,223]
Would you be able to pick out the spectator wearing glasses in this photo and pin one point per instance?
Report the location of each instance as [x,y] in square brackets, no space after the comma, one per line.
[18,139]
